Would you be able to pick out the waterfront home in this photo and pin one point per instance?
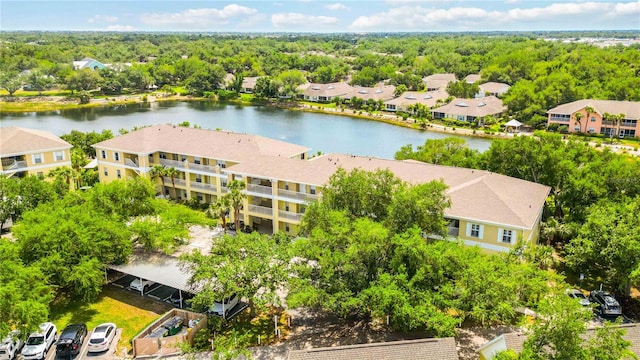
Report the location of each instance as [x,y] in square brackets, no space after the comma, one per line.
[470,109]
[381,92]
[326,92]
[438,81]
[31,152]
[611,118]
[492,89]
[409,98]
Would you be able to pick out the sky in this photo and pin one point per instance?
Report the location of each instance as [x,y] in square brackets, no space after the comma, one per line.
[318,16]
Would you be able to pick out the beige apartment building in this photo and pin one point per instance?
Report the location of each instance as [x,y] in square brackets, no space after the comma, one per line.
[31,152]
[488,210]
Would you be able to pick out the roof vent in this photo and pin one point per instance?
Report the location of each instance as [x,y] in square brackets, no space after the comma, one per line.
[428,96]
[379,91]
[462,104]
[363,91]
[330,87]
[315,87]
[480,104]
[410,97]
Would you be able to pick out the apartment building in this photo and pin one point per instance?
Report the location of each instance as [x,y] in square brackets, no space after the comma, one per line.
[489,210]
[595,116]
[31,152]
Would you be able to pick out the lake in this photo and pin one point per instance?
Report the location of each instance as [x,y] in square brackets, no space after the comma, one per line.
[320,132]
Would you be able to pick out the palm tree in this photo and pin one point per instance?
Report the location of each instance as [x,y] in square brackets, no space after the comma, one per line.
[63,173]
[219,209]
[589,110]
[172,173]
[158,171]
[578,117]
[236,199]
[554,231]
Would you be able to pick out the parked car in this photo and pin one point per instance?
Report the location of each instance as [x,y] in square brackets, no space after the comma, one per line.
[143,285]
[607,304]
[39,343]
[101,337]
[11,345]
[186,297]
[71,339]
[579,295]
[222,308]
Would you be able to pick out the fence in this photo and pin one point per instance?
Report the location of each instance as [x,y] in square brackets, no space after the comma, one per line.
[145,346]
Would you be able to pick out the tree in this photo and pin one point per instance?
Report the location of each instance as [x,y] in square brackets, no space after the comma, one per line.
[449,151]
[251,266]
[172,173]
[158,171]
[400,89]
[39,81]
[236,82]
[266,88]
[83,80]
[463,89]
[236,200]
[25,292]
[578,117]
[11,81]
[589,110]
[219,210]
[421,205]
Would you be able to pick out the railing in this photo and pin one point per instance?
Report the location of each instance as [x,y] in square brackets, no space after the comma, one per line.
[260,189]
[207,168]
[296,195]
[563,118]
[203,186]
[261,210]
[172,163]
[131,163]
[290,215]
[15,165]
[176,181]
[453,231]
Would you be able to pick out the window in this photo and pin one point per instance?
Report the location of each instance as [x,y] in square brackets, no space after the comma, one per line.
[37,158]
[103,154]
[475,230]
[576,128]
[59,155]
[592,130]
[183,158]
[162,155]
[312,190]
[118,174]
[116,156]
[507,236]
[151,158]
[286,206]
[106,172]
[196,160]
[222,164]
[198,178]
[286,185]
[286,227]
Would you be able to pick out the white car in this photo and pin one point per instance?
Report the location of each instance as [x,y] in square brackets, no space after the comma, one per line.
[39,343]
[10,346]
[143,285]
[221,308]
[101,337]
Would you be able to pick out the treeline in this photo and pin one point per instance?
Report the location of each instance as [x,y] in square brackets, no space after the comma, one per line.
[542,73]
[591,213]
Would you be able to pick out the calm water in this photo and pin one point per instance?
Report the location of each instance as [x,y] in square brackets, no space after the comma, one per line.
[321,132]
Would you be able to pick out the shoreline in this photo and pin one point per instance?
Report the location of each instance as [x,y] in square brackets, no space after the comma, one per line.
[57,103]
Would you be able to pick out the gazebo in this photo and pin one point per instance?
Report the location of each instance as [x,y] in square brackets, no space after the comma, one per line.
[513,125]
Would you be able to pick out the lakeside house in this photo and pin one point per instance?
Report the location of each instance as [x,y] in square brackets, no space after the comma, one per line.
[473,78]
[590,116]
[326,92]
[470,109]
[438,81]
[492,89]
[488,210]
[409,98]
[31,152]
[381,92]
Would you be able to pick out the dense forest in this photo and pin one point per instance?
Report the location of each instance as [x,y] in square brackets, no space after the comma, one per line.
[542,73]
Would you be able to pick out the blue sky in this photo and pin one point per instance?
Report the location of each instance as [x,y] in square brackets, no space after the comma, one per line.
[318,16]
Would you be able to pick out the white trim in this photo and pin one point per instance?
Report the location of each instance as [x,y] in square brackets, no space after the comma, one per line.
[29,152]
[480,221]
[485,245]
[41,157]
[66,163]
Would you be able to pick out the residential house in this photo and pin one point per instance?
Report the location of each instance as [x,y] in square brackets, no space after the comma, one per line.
[88,63]
[408,98]
[31,152]
[592,117]
[438,81]
[326,92]
[515,341]
[248,84]
[470,109]
[488,210]
[382,92]
[420,349]
[492,89]
[473,78]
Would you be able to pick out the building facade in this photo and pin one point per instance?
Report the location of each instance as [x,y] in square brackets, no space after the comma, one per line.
[488,210]
[610,118]
[31,152]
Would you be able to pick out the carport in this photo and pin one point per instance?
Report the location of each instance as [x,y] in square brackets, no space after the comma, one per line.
[159,268]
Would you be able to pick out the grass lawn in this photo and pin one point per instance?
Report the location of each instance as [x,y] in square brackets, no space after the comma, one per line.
[127,310]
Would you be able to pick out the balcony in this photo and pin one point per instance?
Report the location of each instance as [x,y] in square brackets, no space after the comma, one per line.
[14,165]
[260,189]
[289,215]
[206,168]
[131,163]
[176,181]
[297,195]
[560,117]
[203,186]
[262,210]
[172,163]
[453,231]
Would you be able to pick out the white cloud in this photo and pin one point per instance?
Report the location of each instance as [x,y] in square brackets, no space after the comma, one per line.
[557,15]
[336,7]
[511,1]
[102,18]
[252,21]
[120,28]
[281,20]
[198,17]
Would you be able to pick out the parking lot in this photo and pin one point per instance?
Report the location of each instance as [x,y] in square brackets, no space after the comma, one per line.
[83,354]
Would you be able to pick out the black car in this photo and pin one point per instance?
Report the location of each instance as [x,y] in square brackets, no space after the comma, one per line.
[607,304]
[71,339]
[186,296]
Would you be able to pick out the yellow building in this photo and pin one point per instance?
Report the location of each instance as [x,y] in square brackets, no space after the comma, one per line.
[31,152]
[489,210]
